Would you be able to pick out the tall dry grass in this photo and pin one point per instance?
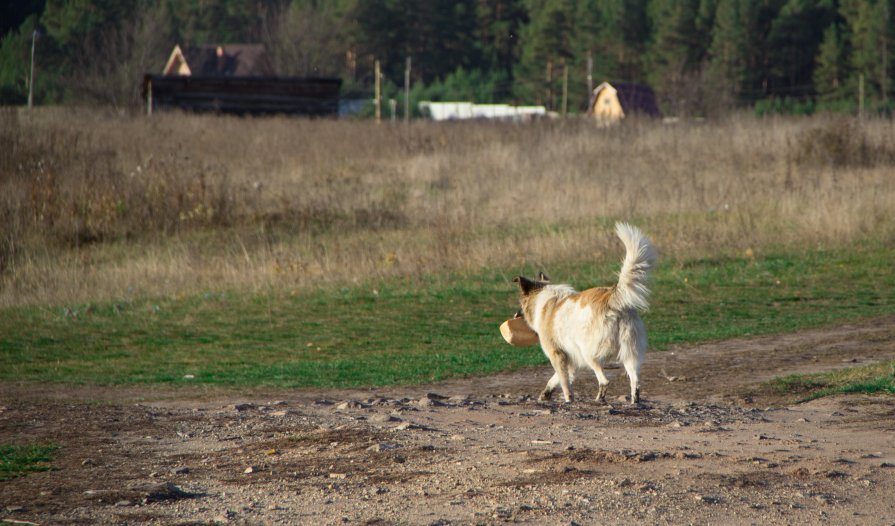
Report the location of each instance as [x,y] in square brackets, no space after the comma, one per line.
[98,206]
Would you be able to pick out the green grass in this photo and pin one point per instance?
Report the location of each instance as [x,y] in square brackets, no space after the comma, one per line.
[869,379]
[413,331]
[17,460]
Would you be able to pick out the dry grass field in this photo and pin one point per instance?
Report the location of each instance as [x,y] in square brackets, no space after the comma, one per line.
[98,206]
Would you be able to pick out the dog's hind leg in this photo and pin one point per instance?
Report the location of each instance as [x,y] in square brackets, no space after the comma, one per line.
[632,348]
[601,379]
[633,370]
[561,366]
[631,358]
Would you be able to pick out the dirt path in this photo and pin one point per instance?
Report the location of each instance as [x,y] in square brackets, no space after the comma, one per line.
[707,446]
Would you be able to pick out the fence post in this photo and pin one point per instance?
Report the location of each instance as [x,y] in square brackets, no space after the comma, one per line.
[148,96]
[590,73]
[565,88]
[378,93]
[861,96]
[407,91]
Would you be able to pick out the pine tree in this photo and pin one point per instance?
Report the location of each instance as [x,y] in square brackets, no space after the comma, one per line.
[500,23]
[624,34]
[739,54]
[871,40]
[795,36]
[830,70]
[676,48]
[546,46]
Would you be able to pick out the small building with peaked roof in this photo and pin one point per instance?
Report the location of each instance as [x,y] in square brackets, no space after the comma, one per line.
[613,102]
[224,60]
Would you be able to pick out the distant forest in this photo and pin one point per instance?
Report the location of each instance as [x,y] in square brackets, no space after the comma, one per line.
[702,57]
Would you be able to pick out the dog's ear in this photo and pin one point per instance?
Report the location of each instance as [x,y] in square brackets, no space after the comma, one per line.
[543,277]
[525,284]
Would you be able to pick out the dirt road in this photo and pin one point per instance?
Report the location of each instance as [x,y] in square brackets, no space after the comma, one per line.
[707,446]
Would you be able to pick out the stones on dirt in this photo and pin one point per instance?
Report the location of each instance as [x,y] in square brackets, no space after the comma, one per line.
[350,404]
[383,446]
[384,419]
[180,470]
[427,402]
[225,517]
[142,493]
[706,499]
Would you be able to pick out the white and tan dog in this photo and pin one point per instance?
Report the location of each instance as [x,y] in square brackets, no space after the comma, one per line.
[583,329]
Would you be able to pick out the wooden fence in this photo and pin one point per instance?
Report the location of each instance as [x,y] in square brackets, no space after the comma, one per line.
[317,97]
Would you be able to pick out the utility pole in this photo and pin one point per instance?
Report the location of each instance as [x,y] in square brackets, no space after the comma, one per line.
[565,87]
[590,73]
[885,61]
[407,92]
[149,97]
[861,96]
[378,92]
[34,35]
[548,92]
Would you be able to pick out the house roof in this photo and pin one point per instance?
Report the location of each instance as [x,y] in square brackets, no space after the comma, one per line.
[634,98]
[227,60]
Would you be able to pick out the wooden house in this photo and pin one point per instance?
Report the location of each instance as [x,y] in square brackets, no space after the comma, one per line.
[237,79]
[610,103]
[227,60]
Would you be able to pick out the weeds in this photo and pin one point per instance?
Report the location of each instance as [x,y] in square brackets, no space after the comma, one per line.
[869,379]
[96,205]
[18,460]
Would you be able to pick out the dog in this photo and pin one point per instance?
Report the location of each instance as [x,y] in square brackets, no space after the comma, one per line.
[582,329]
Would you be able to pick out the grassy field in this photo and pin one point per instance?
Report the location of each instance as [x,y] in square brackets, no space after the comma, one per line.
[404,331]
[288,252]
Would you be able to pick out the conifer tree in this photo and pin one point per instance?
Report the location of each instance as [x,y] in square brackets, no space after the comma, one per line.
[795,36]
[871,43]
[546,45]
[830,66]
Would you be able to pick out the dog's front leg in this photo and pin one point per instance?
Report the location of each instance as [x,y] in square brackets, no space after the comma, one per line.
[560,362]
[547,393]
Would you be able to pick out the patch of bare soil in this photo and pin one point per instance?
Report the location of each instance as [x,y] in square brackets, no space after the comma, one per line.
[706,446]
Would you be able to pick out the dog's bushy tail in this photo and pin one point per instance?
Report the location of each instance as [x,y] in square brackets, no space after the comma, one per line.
[640,257]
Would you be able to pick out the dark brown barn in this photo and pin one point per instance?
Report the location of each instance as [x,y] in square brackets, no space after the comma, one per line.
[238,79]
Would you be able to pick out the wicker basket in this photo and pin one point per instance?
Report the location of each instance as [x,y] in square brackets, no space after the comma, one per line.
[517,332]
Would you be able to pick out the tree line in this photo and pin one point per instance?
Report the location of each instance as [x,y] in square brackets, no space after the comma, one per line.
[700,56]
